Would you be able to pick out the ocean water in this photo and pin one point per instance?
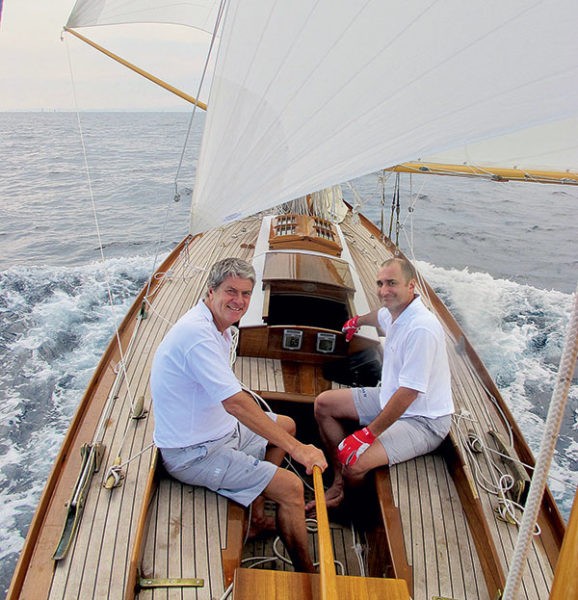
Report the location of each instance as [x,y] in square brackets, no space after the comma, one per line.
[502,256]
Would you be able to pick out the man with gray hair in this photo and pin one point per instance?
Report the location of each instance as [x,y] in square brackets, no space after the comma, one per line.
[212,433]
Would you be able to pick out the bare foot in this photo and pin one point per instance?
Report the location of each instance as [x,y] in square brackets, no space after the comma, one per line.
[262,527]
[333,498]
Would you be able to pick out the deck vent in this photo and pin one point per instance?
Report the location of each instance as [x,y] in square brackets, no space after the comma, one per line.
[304,232]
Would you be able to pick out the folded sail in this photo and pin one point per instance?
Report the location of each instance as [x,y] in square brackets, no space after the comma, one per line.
[308,94]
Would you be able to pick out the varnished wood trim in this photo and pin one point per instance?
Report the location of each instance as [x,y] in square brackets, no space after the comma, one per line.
[287,396]
[231,555]
[565,584]
[394,540]
[326,556]
[142,526]
[286,585]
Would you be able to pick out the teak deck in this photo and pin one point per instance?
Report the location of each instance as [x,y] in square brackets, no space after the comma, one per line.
[439,530]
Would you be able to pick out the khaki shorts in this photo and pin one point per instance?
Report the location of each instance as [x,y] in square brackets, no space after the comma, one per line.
[232,466]
[408,437]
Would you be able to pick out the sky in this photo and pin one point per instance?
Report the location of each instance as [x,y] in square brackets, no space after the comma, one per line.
[39,71]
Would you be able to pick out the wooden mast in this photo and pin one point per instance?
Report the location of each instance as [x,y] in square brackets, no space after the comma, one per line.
[495,173]
[132,67]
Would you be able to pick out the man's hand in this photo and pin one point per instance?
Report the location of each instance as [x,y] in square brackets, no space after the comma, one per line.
[353,446]
[309,455]
[350,328]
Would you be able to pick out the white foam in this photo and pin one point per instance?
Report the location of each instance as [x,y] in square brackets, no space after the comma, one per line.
[518,331]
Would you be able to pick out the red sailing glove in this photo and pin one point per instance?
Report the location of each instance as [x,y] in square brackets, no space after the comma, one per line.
[353,446]
[350,328]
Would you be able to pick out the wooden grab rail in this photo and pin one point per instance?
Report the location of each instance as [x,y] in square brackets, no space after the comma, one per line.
[326,557]
[565,583]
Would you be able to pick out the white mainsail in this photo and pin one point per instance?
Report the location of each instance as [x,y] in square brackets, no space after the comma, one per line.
[309,94]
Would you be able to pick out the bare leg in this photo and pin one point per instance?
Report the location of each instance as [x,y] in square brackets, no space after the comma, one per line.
[331,409]
[286,489]
[260,523]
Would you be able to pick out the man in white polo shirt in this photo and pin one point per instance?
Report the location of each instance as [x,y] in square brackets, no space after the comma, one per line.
[212,433]
[410,413]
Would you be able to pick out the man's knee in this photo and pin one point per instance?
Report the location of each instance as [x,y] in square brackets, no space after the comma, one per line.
[286,488]
[355,472]
[324,404]
[287,423]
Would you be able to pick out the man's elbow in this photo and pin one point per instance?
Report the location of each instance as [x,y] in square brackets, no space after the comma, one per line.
[235,404]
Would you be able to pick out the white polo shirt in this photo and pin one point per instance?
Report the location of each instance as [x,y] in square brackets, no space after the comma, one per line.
[190,378]
[415,357]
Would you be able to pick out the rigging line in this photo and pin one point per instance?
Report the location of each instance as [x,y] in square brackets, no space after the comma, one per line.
[115,471]
[96,221]
[482,480]
[391,216]
[177,196]
[506,507]
[201,82]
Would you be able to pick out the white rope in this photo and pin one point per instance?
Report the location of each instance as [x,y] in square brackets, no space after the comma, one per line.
[227,592]
[547,449]
[116,471]
[358,548]
[176,196]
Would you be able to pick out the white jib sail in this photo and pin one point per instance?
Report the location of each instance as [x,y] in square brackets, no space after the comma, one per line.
[200,14]
[308,94]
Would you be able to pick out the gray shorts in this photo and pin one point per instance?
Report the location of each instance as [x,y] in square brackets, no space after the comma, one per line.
[408,437]
[232,466]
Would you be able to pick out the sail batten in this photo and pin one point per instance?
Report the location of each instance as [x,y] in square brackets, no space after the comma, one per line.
[297,105]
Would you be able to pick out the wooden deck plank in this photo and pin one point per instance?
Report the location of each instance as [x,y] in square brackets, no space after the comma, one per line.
[201,538]
[463,562]
[215,528]
[187,542]
[176,534]
[163,530]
